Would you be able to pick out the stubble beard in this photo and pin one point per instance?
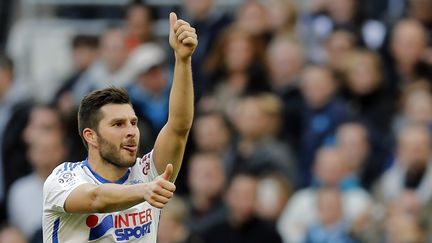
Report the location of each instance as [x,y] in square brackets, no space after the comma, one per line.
[111,154]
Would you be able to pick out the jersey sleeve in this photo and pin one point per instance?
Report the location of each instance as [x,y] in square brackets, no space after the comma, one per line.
[59,185]
[147,167]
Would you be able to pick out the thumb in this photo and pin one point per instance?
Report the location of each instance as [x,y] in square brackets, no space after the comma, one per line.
[172,20]
[168,172]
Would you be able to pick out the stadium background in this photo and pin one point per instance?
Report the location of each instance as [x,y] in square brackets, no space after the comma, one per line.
[313,117]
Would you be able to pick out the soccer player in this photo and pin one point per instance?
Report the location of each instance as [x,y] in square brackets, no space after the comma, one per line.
[112,196]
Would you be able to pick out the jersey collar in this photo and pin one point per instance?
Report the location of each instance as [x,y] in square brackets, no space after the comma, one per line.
[103,180]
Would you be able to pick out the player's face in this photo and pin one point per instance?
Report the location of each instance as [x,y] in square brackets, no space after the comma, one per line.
[118,135]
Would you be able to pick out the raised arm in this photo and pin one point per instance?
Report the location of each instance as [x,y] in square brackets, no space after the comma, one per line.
[90,198]
[171,141]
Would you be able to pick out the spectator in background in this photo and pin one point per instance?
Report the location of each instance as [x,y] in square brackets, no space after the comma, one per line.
[211,133]
[15,103]
[206,183]
[85,52]
[407,46]
[150,91]
[331,170]
[45,153]
[416,106]
[273,192]
[412,166]
[209,22]
[338,45]
[256,147]
[234,67]
[172,227]
[11,234]
[321,115]
[331,225]
[285,61]
[140,20]
[252,17]
[240,224]
[365,92]
[282,17]
[399,220]
[364,159]
[109,69]
[43,119]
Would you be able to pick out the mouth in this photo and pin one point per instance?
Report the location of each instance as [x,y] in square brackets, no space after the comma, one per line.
[131,148]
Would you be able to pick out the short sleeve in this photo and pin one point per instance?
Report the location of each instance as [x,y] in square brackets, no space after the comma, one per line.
[147,166]
[59,185]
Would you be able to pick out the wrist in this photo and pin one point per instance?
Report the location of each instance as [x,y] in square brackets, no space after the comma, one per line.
[183,60]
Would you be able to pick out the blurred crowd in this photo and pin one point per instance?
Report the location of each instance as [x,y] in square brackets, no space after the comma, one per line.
[313,121]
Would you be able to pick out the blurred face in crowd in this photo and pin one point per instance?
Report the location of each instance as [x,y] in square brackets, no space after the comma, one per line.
[352,140]
[285,62]
[84,56]
[414,145]
[408,42]
[252,17]
[342,11]
[198,8]
[281,15]
[402,222]
[139,22]
[113,49]
[206,176]
[171,225]
[330,166]
[317,86]
[238,52]
[211,134]
[47,152]
[250,119]
[240,198]
[363,72]
[330,209]
[42,121]
[272,196]
[154,79]
[417,107]
[338,45]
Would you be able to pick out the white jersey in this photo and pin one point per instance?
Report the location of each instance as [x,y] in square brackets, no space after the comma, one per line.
[136,224]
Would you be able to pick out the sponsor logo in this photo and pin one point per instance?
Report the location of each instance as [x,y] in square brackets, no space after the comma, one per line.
[126,226]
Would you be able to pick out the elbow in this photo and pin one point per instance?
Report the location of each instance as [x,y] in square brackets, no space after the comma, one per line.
[181,129]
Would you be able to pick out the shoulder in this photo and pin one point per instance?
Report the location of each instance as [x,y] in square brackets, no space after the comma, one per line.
[64,173]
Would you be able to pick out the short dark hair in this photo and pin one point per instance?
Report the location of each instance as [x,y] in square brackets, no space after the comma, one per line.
[89,41]
[89,113]
[152,13]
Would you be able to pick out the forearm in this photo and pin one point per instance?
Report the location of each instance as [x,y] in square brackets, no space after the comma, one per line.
[181,104]
[113,197]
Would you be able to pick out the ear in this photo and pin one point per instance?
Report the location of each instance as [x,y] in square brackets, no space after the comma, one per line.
[90,136]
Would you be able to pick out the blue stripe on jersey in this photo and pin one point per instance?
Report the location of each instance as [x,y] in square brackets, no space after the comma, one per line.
[103,180]
[65,166]
[55,231]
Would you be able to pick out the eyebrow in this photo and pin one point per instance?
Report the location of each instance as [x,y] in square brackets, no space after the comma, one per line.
[115,120]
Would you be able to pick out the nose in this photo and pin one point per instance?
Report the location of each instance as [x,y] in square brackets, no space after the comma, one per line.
[131,131]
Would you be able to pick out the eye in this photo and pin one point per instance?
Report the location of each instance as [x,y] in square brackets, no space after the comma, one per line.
[117,124]
[134,123]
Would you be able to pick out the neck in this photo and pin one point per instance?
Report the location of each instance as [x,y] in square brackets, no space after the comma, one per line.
[104,168]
